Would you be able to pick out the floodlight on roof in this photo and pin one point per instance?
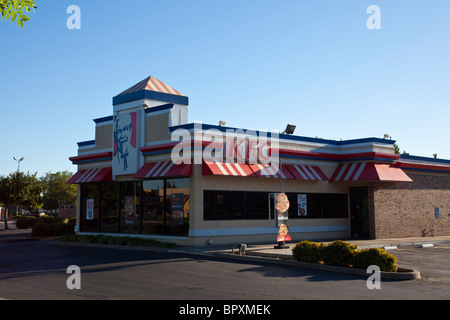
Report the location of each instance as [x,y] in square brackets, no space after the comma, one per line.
[290,128]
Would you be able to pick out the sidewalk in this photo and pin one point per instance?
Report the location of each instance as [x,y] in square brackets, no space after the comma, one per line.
[268,250]
[13,234]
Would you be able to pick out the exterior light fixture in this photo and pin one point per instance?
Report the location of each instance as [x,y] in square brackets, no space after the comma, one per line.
[18,162]
[290,128]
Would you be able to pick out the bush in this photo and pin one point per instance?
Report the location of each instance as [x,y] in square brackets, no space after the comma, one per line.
[26,222]
[50,219]
[308,251]
[52,229]
[104,239]
[338,253]
[375,256]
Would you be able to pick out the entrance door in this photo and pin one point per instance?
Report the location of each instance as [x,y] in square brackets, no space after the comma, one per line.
[359,212]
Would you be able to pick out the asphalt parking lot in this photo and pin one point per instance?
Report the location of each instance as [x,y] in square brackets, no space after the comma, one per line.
[433,262]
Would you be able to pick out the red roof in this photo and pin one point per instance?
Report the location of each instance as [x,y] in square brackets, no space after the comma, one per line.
[152,84]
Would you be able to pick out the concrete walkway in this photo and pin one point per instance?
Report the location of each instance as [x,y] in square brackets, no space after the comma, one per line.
[14,234]
[269,251]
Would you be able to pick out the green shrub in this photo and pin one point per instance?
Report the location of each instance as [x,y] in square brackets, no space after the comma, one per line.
[375,256]
[52,229]
[50,219]
[26,222]
[105,239]
[308,251]
[338,253]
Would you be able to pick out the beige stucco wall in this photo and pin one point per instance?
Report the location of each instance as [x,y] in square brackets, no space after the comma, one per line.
[249,228]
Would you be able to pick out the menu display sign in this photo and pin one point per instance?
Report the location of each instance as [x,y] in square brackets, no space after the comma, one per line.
[282,206]
[302,210]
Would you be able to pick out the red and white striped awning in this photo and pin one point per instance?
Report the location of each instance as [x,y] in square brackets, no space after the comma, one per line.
[288,171]
[163,169]
[368,171]
[227,169]
[92,175]
[306,172]
[271,171]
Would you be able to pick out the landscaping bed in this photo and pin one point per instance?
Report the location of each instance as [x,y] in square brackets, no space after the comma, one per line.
[114,240]
[340,256]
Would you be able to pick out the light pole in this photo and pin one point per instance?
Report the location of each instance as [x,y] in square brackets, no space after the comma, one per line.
[18,162]
[17,207]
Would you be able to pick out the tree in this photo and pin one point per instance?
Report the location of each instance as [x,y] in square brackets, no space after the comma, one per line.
[396,149]
[16,10]
[57,191]
[22,189]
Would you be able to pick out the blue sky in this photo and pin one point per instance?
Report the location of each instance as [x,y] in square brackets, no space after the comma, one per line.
[255,64]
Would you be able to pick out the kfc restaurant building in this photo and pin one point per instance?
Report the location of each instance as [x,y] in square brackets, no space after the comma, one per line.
[151,173]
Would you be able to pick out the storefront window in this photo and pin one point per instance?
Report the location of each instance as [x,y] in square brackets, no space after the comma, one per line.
[109,207]
[223,205]
[177,207]
[256,205]
[130,207]
[159,207]
[236,205]
[317,205]
[165,206]
[152,207]
[89,207]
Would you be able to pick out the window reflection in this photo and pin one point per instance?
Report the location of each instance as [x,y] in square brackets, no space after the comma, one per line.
[152,205]
[109,207]
[165,206]
[130,207]
[89,207]
[158,207]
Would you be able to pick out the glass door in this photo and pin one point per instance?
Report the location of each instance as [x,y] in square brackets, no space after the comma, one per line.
[359,212]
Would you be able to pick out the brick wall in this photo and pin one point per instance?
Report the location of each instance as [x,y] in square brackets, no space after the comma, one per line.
[408,209]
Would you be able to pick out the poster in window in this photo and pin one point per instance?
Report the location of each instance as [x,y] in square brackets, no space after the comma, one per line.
[128,210]
[177,208]
[302,205]
[89,209]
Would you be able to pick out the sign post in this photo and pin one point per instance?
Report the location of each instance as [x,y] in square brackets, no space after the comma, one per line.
[282,206]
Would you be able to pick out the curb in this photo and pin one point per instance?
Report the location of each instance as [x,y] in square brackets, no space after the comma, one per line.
[18,239]
[403,274]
